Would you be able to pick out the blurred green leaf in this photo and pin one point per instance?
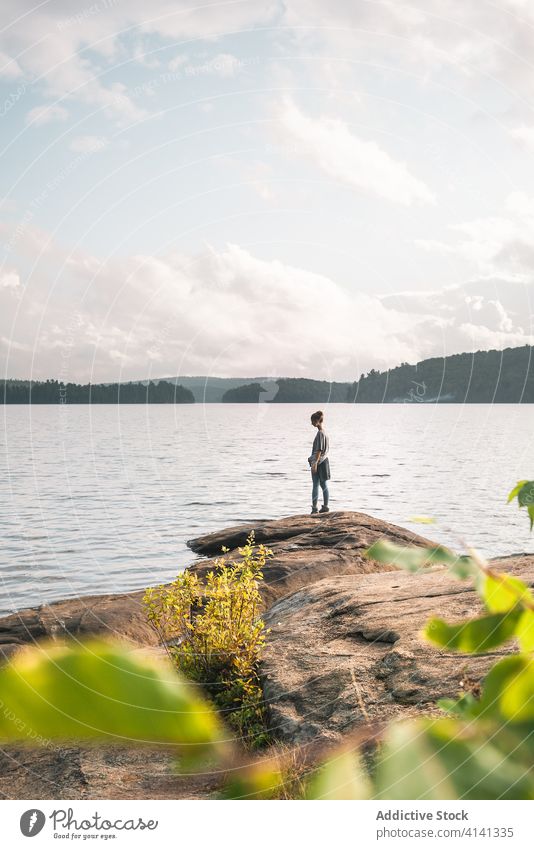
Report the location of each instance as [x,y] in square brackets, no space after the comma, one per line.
[99,690]
[504,592]
[516,490]
[413,559]
[509,691]
[475,636]
[454,759]
[341,777]
[517,697]
[525,631]
[408,767]
[524,492]
[448,705]
[463,706]
[465,568]
[262,780]
[525,496]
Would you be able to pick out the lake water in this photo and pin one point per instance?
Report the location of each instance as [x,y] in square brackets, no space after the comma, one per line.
[103,499]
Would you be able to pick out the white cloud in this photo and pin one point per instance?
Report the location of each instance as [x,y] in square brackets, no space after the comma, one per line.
[476,40]
[9,280]
[219,312]
[178,62]
[257,174]
[495,244]
[525,135]
[69,51]
[40,115]
[362,164]
[9,67]
[230,312]
[487,313]
[88,144]
[519,203]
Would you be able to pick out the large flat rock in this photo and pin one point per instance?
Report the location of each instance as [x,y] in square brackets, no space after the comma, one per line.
[121,617]
[340,528]
[307,548]
[107,772]
[347,651]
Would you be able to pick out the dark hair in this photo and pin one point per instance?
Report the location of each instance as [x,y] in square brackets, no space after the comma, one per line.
[317,417]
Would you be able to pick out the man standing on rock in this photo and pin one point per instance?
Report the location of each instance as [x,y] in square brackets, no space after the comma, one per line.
[319,463]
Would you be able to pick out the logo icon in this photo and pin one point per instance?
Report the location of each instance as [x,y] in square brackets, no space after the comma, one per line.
[32,822]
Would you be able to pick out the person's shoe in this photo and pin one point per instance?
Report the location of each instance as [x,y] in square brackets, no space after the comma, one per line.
[324,509]
[314,510]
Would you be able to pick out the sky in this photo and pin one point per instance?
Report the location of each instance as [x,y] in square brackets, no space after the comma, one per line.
[263,187]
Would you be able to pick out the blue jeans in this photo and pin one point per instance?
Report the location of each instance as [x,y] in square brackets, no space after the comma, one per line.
[316,482]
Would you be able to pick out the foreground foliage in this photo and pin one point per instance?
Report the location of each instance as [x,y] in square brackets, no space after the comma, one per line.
[99,691]
[215,635]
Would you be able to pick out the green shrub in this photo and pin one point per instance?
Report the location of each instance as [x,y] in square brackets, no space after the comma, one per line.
[214,633]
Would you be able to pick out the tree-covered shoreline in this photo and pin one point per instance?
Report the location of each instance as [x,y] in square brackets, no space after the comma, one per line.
[483,377]
[56,392]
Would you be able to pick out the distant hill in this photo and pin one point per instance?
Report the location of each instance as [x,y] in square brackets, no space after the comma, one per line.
[210,390]
[485,377]
[248,394]
[276,390]
[55,392]
[301,390]
[289,390]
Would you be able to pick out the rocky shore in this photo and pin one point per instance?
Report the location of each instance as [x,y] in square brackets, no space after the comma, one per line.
[343,650]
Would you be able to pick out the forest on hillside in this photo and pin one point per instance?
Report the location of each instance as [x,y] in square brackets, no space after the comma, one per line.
[484,377]
[291,390]
[56,392]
